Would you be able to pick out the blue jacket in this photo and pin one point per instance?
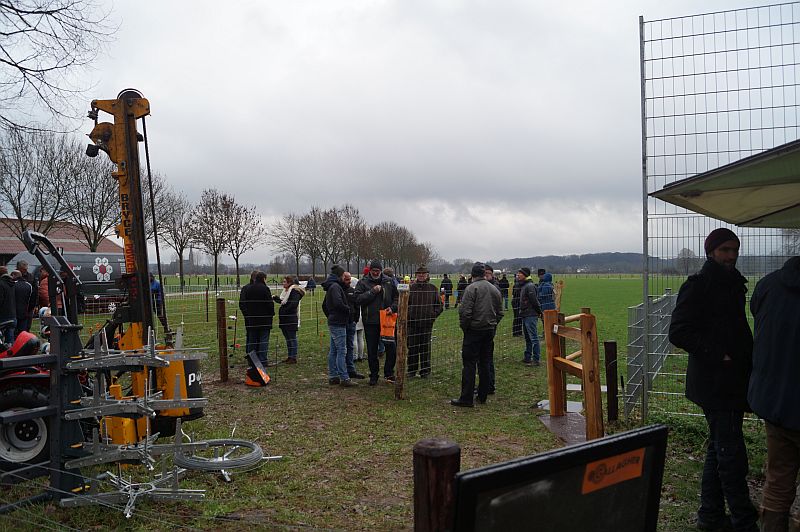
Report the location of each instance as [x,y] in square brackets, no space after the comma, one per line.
[547,296]
[774,393]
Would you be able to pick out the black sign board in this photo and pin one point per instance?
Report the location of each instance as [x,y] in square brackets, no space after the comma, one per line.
[608,484]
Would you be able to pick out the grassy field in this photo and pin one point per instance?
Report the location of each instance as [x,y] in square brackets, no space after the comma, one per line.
[348,452]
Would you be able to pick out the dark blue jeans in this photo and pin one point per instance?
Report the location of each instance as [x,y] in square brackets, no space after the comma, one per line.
[350,347]
[258,341]
[476,351]
[291,342]
[372,334]
[725,473]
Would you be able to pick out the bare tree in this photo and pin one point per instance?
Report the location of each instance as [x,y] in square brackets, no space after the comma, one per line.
[35,171]
[43,45]
[92,202]
[686,258]
[331,237]
[286,236]
[791,241]
[352,226]
[162,197]
[245,231]
[311,225]
[209,231]
[176,227]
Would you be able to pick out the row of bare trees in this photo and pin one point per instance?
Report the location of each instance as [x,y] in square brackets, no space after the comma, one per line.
[341,235]
[45,178]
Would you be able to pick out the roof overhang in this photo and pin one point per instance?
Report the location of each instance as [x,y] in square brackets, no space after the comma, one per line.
[762,190]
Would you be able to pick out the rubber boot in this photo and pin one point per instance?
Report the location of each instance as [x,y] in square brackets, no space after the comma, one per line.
[774,521]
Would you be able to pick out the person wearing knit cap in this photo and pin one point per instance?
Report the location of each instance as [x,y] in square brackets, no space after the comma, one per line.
[479,314]
[375,293]
[710,324]
[447,286]
[529,311]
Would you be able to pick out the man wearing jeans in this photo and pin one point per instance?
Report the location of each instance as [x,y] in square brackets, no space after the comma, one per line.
[258,309]
[710,324]
[774,393]
[529,312]
[480,311]
[337,309]
[376,292]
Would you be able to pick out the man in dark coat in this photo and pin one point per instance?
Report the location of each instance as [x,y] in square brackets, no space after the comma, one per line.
[774,391]
[258,309]
[480,313]
[516,325]
[25,302]
[447,284]
[8,307]
[337,309]
[529,311]
[376,292]
[504,285]
[460,287]
[710,324]
[424,306]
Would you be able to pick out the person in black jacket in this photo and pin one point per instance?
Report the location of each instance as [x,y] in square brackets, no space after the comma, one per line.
[710,324]
[447,284]
[460,287]
[8,307]
[337,309]
[516,325]
[376,292]
[288,314]
[773,392]
[352,325]
[25,302]
[504,285]
[258,309]
[424,306]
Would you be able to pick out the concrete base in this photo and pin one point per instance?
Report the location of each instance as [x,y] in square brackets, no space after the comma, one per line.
[570,428]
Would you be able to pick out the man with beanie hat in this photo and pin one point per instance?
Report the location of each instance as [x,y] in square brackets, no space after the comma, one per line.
[375,293]
[710,324]
[529,312]
[337,309]
[480,311]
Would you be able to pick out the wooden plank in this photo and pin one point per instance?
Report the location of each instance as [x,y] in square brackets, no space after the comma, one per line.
[573,368]
[401,332]
[568,332]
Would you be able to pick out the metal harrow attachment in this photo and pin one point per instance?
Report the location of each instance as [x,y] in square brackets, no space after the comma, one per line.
[213,455]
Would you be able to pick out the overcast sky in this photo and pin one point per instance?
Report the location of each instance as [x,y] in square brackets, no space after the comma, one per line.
[492,129]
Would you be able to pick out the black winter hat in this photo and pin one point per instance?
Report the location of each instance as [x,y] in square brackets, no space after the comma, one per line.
[717,237]
[375,264]
[337,270]
[478,269]
[525,271]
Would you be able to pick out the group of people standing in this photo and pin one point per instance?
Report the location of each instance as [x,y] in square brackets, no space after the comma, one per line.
[18,301]
[731,372]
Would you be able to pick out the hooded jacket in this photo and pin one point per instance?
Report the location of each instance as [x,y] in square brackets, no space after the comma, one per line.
[288,317]
[774,391]
[547,296]
[424,305]
[335,305]
[528,300]
[709,323]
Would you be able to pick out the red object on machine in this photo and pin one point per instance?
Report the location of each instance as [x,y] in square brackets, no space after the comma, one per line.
[26,344]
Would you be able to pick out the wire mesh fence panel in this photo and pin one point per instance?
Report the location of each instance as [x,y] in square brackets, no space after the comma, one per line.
[716,88]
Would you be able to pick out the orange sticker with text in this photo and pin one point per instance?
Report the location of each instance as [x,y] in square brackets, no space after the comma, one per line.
[613,470]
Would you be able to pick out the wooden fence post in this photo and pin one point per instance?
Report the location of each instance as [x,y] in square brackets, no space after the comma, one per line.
[401,334]
[593,402]
[222,338]
[610,349]
[436,463]
[553,342]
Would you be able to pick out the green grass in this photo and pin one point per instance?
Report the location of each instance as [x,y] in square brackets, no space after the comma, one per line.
[348,452]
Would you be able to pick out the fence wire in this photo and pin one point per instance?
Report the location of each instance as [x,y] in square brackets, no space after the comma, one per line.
[716,87]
